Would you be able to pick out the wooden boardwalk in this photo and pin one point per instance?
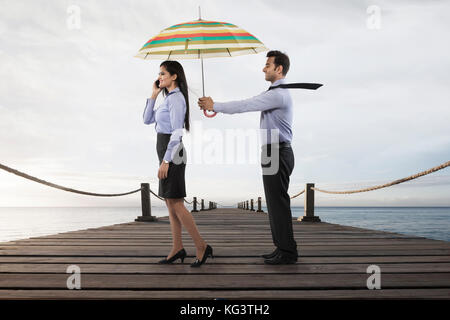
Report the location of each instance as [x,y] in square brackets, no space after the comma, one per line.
[120,262]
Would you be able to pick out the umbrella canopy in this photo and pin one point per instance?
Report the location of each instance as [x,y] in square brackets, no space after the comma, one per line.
[200,39]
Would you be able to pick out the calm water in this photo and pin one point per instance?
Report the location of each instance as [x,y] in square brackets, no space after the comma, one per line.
[428,222]
[21,223]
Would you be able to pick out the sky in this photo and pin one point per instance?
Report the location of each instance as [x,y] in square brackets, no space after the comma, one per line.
[72,96]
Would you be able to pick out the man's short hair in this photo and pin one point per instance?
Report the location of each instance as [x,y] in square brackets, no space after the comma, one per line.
[281,59]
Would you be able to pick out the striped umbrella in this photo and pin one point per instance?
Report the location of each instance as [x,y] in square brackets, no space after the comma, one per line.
[198,40]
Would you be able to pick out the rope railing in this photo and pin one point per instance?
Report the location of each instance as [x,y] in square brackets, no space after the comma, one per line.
[162,199]
[49,184]
[153,193]
[145,191]
[298,194]
[309,193]
[412,177]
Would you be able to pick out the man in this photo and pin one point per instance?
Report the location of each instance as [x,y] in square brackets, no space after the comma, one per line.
[276,116]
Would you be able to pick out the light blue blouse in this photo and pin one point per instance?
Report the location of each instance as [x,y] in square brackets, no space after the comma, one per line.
[169,118]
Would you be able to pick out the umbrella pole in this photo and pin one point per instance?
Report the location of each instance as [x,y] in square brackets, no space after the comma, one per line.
[201,56]
[203,86]
[203,78]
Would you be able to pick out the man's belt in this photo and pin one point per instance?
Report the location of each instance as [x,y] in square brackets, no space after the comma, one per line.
[280,145]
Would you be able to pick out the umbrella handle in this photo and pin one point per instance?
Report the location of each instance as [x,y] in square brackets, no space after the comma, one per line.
[209,115]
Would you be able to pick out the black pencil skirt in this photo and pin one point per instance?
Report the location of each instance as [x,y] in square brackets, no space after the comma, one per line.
[174,186]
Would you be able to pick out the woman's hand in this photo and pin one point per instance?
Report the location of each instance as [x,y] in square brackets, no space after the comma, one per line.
[156,90]
[163,170]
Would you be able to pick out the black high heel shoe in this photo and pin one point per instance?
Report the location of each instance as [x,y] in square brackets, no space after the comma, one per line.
[208,252]
[179,255]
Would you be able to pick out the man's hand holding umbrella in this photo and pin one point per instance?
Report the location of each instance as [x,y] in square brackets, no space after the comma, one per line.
[206,103]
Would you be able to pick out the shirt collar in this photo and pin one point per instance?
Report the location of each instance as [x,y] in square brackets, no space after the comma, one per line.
[280,81]
[177,89]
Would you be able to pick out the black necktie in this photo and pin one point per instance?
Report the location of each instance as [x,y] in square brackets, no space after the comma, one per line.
[311,86]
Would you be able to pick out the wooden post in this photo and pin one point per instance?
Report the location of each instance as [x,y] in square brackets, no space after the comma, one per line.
[202,205]
[246,205]
[259,205]
[195,205]
[145,204]
[251,205]
[309,205]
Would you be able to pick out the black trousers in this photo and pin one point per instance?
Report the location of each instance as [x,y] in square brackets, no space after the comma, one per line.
[276,184]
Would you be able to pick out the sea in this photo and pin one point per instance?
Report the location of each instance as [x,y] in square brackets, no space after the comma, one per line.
[25,222]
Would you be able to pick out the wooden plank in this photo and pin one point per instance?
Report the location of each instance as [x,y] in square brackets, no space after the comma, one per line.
[225,260]
[225,281]
[235,294]
[219,251]
[238,247]
[226,269]
[224,241]
[250,235]
[159,227]
[211,229]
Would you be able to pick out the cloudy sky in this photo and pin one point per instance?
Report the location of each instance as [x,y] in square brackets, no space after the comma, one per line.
[72,96]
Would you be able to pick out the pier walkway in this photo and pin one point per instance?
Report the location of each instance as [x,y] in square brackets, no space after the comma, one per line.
[120,262]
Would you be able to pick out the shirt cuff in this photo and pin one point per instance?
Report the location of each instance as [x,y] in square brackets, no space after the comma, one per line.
[168,156]
[217,107]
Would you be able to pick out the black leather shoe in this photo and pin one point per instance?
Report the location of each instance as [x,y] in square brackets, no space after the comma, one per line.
[208,252]
[281,258]
[179,255]
[271,255]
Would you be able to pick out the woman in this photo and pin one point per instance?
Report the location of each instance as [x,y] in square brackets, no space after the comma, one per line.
[170,118]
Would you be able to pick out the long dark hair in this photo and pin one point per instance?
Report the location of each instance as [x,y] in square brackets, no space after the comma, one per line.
[174,67]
